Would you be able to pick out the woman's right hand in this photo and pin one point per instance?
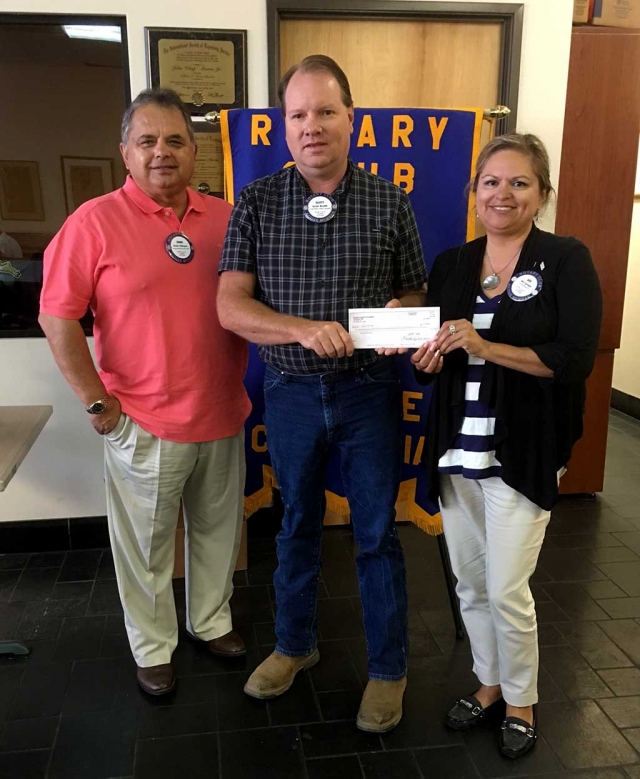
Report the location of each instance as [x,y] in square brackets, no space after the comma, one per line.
[427,358]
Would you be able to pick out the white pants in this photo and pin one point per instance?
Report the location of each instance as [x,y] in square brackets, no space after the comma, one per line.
[145,478]
[494,535]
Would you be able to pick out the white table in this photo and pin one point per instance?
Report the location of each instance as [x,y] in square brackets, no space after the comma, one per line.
[20,427]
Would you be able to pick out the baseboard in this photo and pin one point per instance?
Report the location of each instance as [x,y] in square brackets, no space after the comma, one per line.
[628,404]
[54,535]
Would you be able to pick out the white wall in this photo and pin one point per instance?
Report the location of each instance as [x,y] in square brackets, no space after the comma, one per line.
[62,476]
[626,368]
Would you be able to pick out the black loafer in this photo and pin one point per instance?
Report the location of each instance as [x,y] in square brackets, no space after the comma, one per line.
[465,714]
[517,736]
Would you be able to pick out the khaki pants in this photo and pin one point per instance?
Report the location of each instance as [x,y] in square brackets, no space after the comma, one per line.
[145,478]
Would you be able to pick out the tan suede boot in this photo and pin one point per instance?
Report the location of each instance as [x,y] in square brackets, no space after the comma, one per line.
[381,707]
[276,674]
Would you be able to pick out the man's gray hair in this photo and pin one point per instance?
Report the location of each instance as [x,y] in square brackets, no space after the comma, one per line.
[164,98]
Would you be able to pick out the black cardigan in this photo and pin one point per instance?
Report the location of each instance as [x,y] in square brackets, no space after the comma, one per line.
[538,420]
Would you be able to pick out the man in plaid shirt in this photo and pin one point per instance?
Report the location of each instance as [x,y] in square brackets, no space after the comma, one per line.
[303,247]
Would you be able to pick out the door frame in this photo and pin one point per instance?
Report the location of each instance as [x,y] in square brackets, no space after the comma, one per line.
[509,15]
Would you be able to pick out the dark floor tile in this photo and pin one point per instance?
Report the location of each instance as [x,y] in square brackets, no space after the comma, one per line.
[613,554]
[251,604]
[625,575]
[13,562]
[568,565]
[35,584]
[337,619]
[37,536]
[106,569]
[625,712]
[8,581]
[265,633]
[95,745]
[42,691]
[446,763]
[24,765]
[80,566]
[10,679]
[572,673]
[27,734]
[549,635]
[621,608]
[115,645]
[297,706]
[92,686]
[623,681]
[335,670]
[548,689]
[549,611]
[604,589]
[575,602]
[236,710]
[105,598]
[422,724]
[163,721]
[240,579]
[633,737]
[633,772]
[167,758]
[80,638]
[38,628]
[582,736]
[46,560]
[10,616]
[71,590]
[270,753]
[342,705]
[335,738]
[57,607]
[334,768]
[390,765]
[341,579]
[631,540]
[586,541]
[626,634]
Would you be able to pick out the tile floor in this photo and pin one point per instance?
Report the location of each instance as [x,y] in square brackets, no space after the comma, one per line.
[72,709]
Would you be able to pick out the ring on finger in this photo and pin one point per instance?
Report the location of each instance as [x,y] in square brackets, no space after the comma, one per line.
[452,329]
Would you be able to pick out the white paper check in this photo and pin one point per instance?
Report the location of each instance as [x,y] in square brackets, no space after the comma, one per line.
[393,328]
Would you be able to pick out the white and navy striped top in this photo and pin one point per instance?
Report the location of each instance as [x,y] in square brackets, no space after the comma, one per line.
[472,453]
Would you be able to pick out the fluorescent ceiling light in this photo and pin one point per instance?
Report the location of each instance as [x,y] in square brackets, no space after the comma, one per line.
[93,32]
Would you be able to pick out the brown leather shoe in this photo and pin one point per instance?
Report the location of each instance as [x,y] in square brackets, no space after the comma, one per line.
[381,707]
[157,679]
[276,674]
[229,645]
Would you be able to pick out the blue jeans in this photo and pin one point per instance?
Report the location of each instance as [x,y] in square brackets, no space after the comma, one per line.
[359,412]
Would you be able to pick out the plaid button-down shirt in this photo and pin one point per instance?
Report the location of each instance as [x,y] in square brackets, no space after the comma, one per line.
[368,251]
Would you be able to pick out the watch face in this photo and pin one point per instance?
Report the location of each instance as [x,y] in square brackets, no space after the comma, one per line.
[97,408]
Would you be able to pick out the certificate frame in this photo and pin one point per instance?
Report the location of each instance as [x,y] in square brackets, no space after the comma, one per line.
[200,182]
[84,178]
[198,103]
[20,192]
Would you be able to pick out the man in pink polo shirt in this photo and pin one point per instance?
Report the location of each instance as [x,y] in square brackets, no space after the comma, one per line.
[168,395]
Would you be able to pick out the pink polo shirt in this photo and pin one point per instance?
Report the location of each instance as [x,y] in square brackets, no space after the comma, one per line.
[160,347]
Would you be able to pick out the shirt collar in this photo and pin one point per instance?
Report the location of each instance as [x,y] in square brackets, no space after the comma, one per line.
[149,205]
[343,186]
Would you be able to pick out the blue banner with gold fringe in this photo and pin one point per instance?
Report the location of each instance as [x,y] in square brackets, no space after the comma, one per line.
[430,153]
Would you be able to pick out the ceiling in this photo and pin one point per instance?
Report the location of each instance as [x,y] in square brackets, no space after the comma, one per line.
[49,44]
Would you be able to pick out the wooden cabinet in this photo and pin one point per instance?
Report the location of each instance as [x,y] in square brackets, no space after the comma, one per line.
[595,204]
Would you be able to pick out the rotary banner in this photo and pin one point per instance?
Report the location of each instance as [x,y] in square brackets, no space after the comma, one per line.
[430,153]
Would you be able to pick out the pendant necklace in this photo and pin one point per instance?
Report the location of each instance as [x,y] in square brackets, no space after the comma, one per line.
[493,279]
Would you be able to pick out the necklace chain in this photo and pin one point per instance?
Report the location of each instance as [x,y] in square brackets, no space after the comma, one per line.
[505,267]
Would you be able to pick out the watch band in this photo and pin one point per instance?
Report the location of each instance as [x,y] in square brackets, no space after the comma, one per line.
[98,406]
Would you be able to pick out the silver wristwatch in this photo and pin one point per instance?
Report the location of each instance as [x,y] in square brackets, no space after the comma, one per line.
[99,406]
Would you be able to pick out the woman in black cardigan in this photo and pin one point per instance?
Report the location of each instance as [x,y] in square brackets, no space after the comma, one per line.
[521,312]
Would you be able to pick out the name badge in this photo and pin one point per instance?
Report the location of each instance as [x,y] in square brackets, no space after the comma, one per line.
[524,286]
[179,248]
[319,208]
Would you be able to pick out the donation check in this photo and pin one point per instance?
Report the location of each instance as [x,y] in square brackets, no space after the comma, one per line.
[393,328]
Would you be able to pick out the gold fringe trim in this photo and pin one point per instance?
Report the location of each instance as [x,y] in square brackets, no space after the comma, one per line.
[337,504]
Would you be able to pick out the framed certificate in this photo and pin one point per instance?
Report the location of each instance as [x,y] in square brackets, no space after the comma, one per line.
[207,68]
[208,176]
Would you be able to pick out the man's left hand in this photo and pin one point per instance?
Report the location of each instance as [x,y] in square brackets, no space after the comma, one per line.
[394,303]
[460,334]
